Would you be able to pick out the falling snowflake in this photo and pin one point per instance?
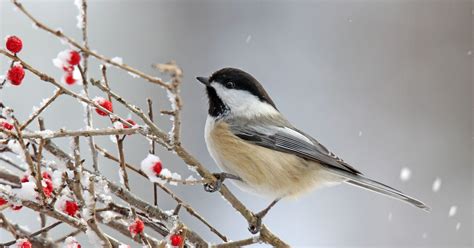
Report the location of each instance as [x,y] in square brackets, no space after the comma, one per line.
[249,38]
[458,226]
[452,211]
[360,133]
[436,184]
[390,216]
[405,174]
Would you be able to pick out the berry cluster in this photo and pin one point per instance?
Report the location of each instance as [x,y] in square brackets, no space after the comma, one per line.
[136,227]
[16,73]
[67,61]
[104,103]
[23,243]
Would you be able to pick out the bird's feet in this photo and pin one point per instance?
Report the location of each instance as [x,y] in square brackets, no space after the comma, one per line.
[216,185]
[256,225]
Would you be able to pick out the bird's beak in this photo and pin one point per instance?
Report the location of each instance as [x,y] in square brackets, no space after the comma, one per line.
[203,80]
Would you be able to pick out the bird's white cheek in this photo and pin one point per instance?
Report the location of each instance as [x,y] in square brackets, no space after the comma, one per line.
[242,103]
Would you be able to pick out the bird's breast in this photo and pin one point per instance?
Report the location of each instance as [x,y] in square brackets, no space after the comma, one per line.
[264,171]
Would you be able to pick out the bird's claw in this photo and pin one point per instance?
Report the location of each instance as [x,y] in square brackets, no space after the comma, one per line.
[256,225]
[214,186]
[220,177]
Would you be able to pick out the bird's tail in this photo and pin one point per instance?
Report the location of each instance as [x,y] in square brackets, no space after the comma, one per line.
[369,184]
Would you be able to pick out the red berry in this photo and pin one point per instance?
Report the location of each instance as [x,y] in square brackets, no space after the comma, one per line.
[14,44]
[16,74]
[3,201]
[16,207]
[23,243]
[157,167]
[69,78]
[131,122]
[74,58]
[176,240]
[25,179]
[136,227]
[105,104]
[47,187]
[6,125]
[46,175]
[71,207]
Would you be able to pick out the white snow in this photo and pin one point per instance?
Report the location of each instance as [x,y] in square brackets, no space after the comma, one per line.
[56,177]
[405,174]
[46,134]
[175,176]
[458,226]
[62,58]
[71,242]
[79,23]
[108,216]
[117,60]
[118,125]
[133,75]
[60,203]
[436,184]
[76,74]
[360,133]
[27,191]
[424,235]
[166,173]
[121,175]
[190,178]
[123,246]
[79,17]
[452,211]
[469,52]
[105,198]
[147,165]
[390,216]
[249,38]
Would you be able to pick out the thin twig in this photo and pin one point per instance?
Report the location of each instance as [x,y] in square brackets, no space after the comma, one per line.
[45,104]
[74,43]
[239,243]
[42,230]
[186,206]
[48,134]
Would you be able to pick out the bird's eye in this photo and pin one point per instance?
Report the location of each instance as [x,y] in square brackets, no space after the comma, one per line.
[230,85]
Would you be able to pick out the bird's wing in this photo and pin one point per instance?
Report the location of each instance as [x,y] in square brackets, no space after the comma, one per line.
[290,140]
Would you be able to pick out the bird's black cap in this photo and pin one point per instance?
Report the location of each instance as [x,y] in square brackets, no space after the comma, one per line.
[240,80]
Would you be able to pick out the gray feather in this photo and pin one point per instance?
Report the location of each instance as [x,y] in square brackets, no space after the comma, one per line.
[366,183]
[283,137]
[290,140]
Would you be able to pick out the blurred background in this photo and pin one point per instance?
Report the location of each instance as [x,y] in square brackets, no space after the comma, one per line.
[386,85]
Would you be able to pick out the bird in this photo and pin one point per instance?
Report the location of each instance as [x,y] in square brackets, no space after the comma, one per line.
[253,144]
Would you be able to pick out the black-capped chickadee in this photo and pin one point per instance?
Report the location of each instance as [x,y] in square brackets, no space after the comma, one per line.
[253,143]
